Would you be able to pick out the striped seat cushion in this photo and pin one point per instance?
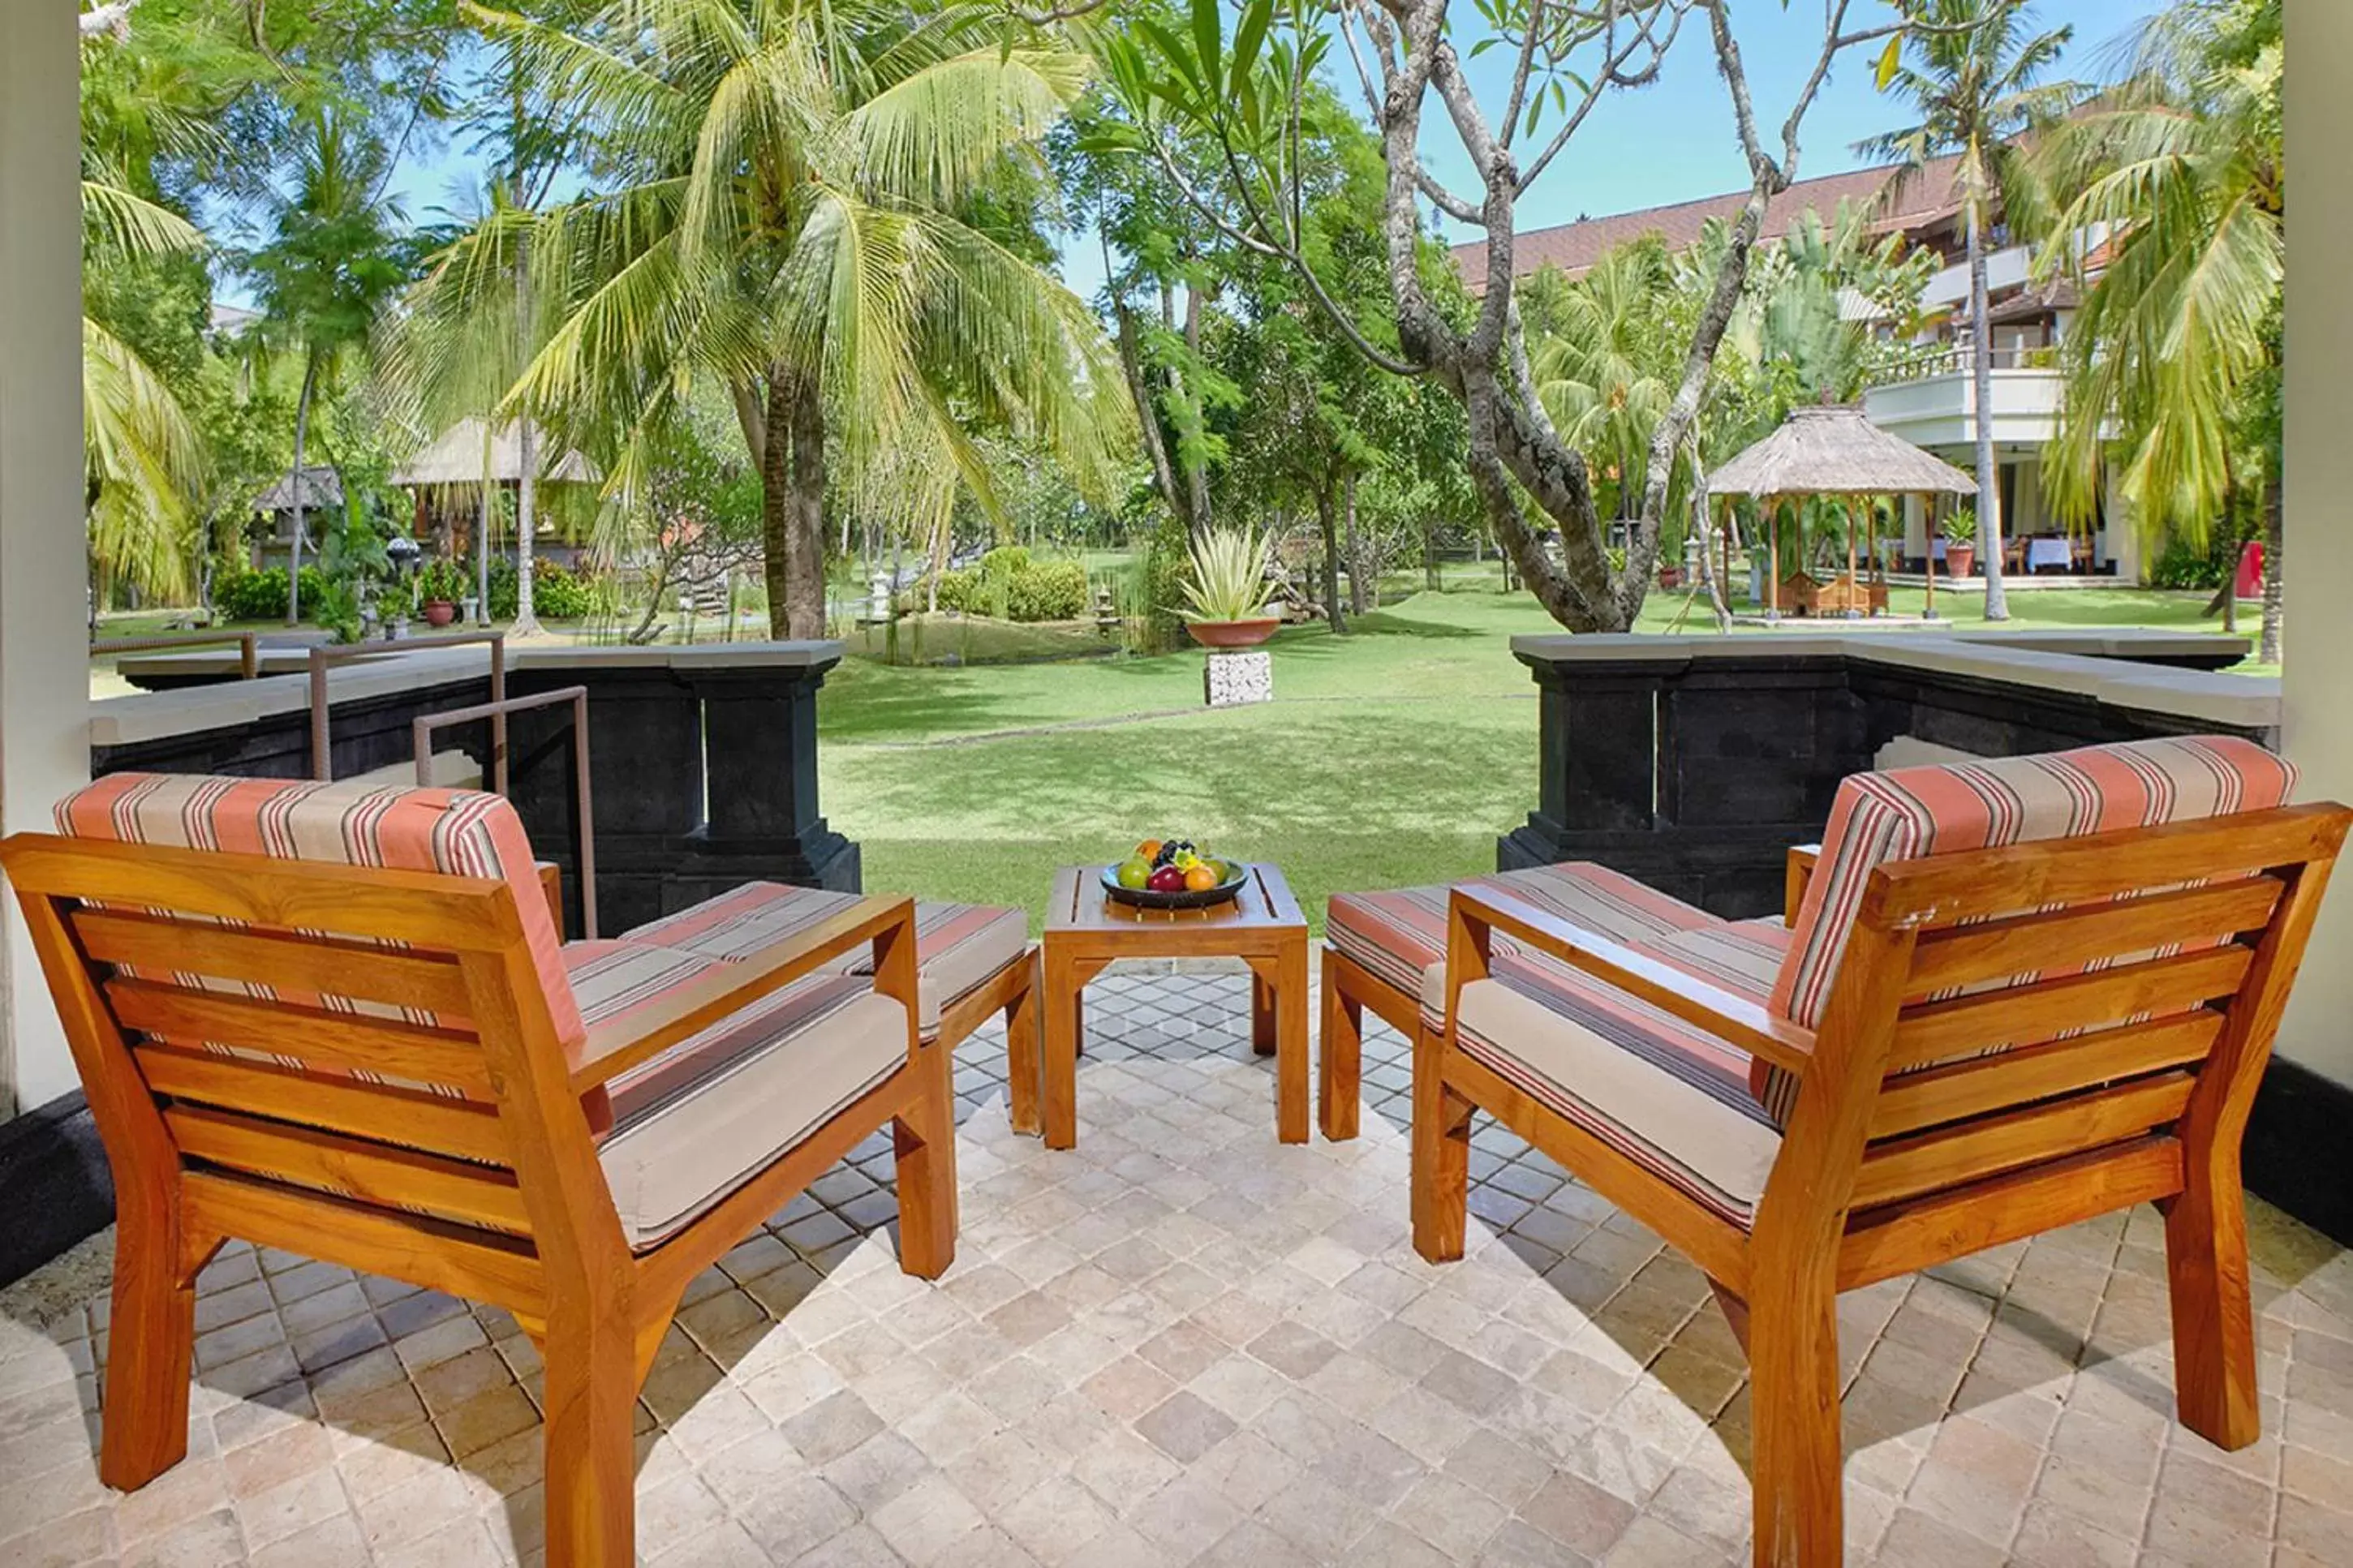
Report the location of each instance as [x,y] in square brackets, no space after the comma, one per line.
[1670,1098]
[702,1118]
[1399,936]
[458,833]
[1908,814]
[957,946]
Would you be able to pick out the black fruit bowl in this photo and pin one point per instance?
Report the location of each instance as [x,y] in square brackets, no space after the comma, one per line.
[1205,898]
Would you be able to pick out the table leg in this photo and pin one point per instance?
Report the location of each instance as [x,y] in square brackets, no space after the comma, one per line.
[1290,1045]
[1059,1006]
[1262,1009]
[1021,1020]
[1340,1058]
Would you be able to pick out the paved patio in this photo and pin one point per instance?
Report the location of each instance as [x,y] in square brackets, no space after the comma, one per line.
[1185,1343]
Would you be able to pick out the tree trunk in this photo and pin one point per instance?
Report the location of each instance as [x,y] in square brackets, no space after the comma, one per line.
[1430,579]
[526,621]
[1997,601]
[805,554]
[482,523]
[2274,579]
[1359,569]
[774,456]
[1196,476]
[1327,515]
[301,437]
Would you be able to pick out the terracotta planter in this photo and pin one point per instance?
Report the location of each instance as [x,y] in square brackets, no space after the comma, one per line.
[1671,576]
[439,612]
[1961,560]
[1233,634]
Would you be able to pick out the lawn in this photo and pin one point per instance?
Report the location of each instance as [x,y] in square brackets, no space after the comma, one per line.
[1395,755]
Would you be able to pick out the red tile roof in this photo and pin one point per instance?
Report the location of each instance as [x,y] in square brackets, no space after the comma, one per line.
[1574,247]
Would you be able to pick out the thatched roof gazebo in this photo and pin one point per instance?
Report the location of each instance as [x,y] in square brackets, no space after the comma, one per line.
[455,458]
[1833,451]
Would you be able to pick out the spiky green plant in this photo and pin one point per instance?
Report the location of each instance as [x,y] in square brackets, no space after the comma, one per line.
[1227,580]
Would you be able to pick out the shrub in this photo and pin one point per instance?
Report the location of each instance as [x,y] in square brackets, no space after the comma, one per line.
[448,579]
[261,595]
[2185,565]
[1051,591]
[1005,562]
[556,594]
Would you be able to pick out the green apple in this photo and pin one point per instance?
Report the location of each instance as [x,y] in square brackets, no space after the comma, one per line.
[1134,871]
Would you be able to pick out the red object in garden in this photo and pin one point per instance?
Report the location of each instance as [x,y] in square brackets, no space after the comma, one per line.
[1233,634]
[2249,584]
[439,612]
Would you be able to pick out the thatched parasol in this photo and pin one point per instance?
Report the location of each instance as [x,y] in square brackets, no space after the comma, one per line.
[1832,450]
[455,457]
[322,490]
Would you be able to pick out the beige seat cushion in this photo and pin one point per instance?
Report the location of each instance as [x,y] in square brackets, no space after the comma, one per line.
[957,946]
[704,1117]
[1670,1099]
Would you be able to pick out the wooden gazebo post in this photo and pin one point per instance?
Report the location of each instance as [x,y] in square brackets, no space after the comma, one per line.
[1871,542]
[1772,564]
[1929,553]
[1854,577]
[1727,551]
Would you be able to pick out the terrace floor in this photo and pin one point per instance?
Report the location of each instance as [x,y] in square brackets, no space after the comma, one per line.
[1185,1343]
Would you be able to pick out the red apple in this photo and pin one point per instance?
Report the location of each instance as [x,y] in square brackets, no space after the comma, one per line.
[1167,879]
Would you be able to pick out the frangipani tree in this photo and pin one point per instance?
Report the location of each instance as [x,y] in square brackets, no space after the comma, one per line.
[799,210]
[1242,89]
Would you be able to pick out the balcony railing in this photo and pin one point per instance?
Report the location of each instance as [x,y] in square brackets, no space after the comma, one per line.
[1955,359]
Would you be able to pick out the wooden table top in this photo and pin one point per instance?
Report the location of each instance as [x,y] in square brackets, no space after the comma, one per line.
[1265,904]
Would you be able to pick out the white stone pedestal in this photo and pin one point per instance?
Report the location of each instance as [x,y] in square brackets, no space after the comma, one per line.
[1234,678]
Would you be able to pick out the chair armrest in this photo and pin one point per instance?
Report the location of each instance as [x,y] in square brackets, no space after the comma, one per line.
[550,883]
[889,923]
[1736,1020]
[1794,878]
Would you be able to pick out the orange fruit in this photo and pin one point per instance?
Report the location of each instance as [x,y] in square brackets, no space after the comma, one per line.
[1149,849]
[1201,880]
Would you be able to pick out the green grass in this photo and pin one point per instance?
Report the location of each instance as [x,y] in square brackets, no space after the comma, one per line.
[1395,755]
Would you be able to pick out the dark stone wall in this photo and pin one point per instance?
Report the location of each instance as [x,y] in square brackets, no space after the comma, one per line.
[1695,775]
[703,774]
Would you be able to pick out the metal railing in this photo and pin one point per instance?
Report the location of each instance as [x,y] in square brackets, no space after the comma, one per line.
[322,766]
[583,799]
[248,652]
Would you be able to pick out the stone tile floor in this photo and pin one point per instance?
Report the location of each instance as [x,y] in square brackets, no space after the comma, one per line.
[1185,1343]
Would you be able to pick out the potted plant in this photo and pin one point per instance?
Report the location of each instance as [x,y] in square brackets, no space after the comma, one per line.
[438,587]
[1961,542]
[1225,589]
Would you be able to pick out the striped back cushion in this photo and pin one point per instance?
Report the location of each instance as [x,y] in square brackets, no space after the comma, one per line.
[1910,814]
[459,833]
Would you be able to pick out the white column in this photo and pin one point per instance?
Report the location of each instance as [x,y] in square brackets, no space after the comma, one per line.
[44,683]
[2318,1031]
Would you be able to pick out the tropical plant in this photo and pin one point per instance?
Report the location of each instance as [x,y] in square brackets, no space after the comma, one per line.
[1973,72]
[803,215]
[2179,171]
[1961,527]
[1227,580]
[328,270]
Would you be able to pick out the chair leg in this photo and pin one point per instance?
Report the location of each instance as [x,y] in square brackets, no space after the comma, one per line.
[1340,1059]
[2213,1316]
[592,1392]
[1441,1154]
[1022,1039]
[925,1141]
[151,1338]
[1793,1376]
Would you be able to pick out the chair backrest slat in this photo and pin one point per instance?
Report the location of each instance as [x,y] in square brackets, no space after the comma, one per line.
[2025,1014]
[316,1036]
[2060,939]
[157,945]
[1934,1097]
[464,1129]
[367,1169]
[1995,1145]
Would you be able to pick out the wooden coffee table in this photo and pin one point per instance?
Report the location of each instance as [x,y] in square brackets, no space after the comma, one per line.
[1262,926]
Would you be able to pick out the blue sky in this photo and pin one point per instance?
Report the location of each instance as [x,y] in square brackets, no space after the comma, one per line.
[1672,142]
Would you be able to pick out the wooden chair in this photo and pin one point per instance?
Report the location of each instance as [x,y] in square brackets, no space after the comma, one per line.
[342,1027]
[2066,1014]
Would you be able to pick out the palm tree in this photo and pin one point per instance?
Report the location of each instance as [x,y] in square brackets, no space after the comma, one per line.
[144,460]
[2179,173]
[1606,370]
[326,274]
[1972,70]
[804,215]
